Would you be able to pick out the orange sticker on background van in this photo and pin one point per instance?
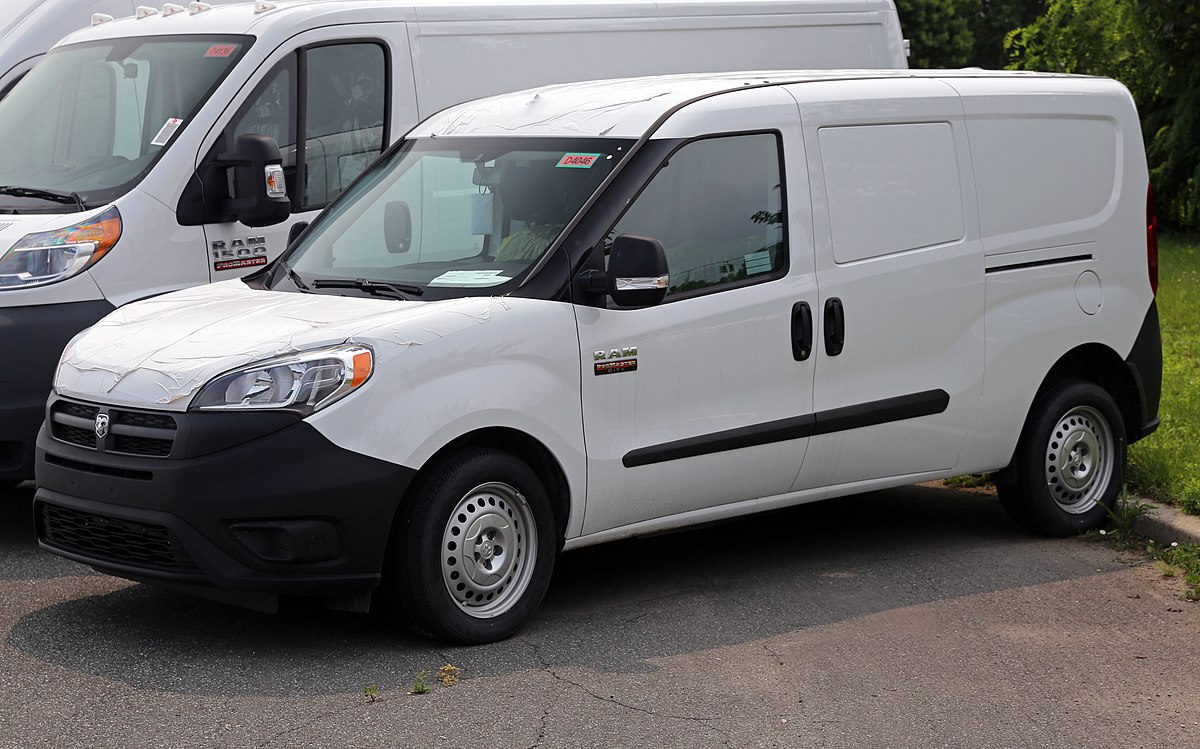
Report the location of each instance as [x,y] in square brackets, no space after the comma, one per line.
[221,50]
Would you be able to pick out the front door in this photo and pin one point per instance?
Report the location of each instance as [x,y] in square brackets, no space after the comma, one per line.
[701,400]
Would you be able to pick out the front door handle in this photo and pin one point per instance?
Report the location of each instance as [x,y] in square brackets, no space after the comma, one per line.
[802,331]
[835,326]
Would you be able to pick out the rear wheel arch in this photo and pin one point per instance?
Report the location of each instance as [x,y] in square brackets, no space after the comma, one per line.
[1099,364]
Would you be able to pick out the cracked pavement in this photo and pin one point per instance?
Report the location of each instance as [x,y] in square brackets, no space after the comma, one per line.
[913,617]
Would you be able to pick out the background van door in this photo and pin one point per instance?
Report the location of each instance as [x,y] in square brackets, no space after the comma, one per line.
[332,91]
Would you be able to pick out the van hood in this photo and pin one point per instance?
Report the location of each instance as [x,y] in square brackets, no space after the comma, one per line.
[159,352]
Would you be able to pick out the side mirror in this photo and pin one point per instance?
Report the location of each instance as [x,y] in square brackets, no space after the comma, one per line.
[637,271]
[295,231]
[259,191]
[397,227]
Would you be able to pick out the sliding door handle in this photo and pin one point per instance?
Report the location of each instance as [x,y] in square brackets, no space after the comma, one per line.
[802,331]
[835,327]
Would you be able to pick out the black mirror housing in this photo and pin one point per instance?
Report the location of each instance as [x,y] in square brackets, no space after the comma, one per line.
[637,271]
[295,231]
[259,192]
[397,227]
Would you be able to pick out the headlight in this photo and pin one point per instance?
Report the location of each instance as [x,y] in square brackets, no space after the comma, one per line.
[51,256]
[303,383]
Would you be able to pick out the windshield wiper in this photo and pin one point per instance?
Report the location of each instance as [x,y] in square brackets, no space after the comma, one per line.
[37,192]
[403,291]
[294,276]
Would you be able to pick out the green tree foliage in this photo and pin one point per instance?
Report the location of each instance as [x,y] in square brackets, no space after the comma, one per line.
[939,31]
[996,18]
[1153,47]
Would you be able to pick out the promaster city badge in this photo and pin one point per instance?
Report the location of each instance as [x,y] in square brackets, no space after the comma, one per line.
[615,361]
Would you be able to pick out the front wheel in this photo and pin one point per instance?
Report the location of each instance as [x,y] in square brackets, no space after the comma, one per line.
[1070,463]
[473,550]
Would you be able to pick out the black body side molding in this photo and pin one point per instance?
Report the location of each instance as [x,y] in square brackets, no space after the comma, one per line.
[883,411]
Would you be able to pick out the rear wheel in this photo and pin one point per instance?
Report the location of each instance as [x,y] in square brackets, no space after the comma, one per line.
[473,550]
[1070,463]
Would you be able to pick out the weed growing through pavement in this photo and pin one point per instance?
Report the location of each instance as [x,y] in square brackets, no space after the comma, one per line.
[449,675]
[1175,560]
[1122,516]
[969,481]
[420,684]
[371,692]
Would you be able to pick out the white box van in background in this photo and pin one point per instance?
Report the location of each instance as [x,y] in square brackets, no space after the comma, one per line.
[586,312]
[121,145]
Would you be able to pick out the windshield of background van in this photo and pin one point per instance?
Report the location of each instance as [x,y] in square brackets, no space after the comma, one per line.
[92,118]
[444,216]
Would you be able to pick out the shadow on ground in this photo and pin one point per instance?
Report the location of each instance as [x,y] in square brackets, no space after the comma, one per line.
[615,607]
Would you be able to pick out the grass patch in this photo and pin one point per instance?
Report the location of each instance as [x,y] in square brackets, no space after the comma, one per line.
[1166,465]
[1180,561]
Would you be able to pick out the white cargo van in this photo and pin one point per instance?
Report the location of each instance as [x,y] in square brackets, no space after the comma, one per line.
[586,312]
[137,154]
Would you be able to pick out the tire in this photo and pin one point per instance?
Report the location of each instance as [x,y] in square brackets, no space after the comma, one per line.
[1069,465]
[483,590]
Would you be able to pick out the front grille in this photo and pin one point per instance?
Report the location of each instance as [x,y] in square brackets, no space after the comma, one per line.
[141,446]
[81,410]
[125,431]
[107,539]
[143,419]
[75,435]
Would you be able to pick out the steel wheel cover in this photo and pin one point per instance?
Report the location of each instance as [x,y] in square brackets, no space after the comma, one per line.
[489,550]
[1079,459]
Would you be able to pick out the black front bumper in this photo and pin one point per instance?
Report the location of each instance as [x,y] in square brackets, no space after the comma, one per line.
[31,341]
[271,507]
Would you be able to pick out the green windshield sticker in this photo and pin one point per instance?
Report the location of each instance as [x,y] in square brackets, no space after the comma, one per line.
[577,160]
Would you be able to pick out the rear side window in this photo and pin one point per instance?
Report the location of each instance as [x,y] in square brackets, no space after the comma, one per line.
[891,188]
[716,206]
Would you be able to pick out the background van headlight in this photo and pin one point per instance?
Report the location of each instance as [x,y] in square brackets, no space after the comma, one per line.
[304,382]
[50,256]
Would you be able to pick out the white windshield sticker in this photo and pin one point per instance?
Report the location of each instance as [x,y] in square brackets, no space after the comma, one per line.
[474,278]
[167,131]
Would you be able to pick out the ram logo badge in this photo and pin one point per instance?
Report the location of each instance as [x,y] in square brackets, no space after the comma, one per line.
[615,361]
[244,252]
[101,425]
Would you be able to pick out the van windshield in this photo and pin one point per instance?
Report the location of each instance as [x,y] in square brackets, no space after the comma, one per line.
[445,217]
[91,119]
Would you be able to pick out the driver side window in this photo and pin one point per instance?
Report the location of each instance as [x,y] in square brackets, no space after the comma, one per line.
[716,206]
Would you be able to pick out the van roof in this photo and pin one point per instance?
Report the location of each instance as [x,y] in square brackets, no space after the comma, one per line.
[629,107]
[284,17]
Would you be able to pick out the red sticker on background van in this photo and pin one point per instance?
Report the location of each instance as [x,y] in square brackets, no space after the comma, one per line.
[221,50]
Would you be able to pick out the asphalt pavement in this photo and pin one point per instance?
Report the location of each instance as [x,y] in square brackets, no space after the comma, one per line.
[917,617]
